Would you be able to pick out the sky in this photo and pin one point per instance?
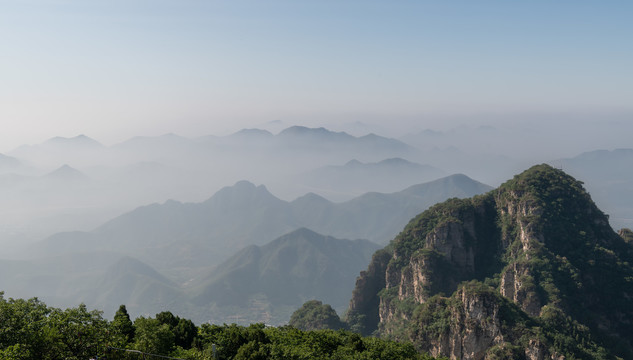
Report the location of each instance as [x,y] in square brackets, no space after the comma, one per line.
[119,68]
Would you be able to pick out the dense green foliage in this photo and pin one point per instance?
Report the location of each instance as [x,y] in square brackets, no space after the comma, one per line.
[31,330]
[314,315]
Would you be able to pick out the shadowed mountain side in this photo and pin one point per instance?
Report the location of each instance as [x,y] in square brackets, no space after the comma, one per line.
[296,267]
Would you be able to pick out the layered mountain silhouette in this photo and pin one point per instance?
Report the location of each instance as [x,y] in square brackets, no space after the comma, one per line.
[257,284]
[355,177]
[531,270]
[178,235]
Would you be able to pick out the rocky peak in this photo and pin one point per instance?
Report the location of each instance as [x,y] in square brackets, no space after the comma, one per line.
[540,246]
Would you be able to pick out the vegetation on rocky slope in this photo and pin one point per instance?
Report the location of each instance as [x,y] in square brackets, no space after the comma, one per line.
[530,269]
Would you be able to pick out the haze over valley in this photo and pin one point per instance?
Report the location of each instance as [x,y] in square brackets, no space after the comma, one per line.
[455,176]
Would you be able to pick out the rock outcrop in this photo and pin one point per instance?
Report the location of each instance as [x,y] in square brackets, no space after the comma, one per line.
[530,270]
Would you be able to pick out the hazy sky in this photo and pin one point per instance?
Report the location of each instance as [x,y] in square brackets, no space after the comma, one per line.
[116,68]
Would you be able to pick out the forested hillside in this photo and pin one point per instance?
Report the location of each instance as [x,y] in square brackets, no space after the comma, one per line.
[31,330]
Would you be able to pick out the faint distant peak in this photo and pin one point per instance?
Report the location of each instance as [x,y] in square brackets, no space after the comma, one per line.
[244,184]
[396,161]
[252,133]
[604,154]
[353,163]
[66,172]
[303,130]
[456,180]
[311,198]
[243,192]
[82,140]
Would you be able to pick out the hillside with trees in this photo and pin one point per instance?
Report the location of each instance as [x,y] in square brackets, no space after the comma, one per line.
[31,330]
[530,270]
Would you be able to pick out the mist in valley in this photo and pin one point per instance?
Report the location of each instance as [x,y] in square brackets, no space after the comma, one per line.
[230,162]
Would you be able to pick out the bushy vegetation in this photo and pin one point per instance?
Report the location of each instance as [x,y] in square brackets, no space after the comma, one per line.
[29,329]
[314,315]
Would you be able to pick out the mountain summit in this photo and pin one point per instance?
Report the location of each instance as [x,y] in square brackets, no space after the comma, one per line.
[531,270]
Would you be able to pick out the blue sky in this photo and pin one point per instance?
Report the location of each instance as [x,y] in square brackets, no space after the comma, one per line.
[113,69]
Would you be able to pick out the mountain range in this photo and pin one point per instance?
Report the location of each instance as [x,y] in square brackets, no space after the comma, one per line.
[176,235]
[257,284]
[355,178]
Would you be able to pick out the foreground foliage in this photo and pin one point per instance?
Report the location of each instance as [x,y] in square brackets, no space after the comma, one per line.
[29,329]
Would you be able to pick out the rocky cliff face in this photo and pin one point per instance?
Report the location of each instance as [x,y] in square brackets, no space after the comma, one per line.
[545,276]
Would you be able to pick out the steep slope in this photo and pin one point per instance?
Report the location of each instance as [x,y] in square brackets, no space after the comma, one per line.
[529,270]
[284,273]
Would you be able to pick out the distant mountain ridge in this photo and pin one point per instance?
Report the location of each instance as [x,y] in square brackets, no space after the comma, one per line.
[244,214]
[356,177]
[257,284]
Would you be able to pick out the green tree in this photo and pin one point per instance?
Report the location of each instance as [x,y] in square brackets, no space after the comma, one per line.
[76,333]
[184,330]
[22,325]
[314,315]
[122,325]
[152,336]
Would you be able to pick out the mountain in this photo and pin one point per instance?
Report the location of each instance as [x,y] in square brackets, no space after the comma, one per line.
[137,285]
[355,177]
[530,270]
[284,273]
[80,151]
[66,173]
[8,163]
[175,236]
[608,176]
[259,283]
[304,138]
[79,140]
[377,216]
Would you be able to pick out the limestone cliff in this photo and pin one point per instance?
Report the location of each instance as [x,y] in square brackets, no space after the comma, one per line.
[530,270]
